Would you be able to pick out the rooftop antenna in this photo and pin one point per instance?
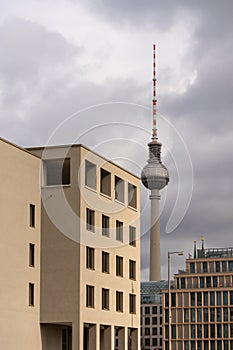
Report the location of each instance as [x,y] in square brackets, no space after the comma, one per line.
[154,101]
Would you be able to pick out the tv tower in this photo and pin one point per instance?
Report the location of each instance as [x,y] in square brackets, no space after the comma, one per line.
[154,176]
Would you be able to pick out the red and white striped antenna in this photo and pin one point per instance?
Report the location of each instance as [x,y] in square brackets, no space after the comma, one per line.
[154,100]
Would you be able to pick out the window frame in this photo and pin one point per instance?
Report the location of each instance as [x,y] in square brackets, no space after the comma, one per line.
[119,266]
[90,258]
[105,262]
[90,296]
[90,219]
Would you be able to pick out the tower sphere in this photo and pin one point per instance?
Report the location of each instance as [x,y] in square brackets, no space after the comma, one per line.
[154,175]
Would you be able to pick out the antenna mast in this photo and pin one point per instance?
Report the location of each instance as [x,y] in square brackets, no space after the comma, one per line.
[154,101]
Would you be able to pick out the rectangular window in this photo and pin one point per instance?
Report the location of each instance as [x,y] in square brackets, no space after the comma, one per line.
[147,321]
[224,266]
[119,301]
[90,290]
[132,236]
[119,231]
[105,299]
[192,295]
[32,215]
[212,298]
[192,267]
[31,294]
[147,310]
[119,189]
[119,266]
[132,196]
[132,269]
[204,266]
[154,310]
[217,266]
[56,172]
[31,254]
[225,298]
[105,182]
[90,174]
[105,226]
[90,220]
[90,258]
[182,283]
[132,304]
[230,266]
[105,262]
[215,281]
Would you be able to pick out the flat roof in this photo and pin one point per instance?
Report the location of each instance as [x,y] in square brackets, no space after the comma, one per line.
[88,149]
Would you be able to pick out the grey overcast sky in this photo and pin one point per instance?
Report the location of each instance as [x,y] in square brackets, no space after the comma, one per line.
[80,71]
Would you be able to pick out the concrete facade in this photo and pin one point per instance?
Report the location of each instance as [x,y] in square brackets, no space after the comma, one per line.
[19,266]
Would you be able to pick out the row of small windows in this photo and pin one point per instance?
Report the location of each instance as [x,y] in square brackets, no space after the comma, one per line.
[201,331]
[217,314]
[57,172]
[147,310]
[153,331]
[151,320]
[119,230]
[105,184]
[90,299]
[151,342]
[212,266]
[202,345]
[204,282]
[200,298]
[90,263]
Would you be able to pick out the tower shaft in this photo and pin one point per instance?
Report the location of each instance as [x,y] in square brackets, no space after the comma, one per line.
[155,268]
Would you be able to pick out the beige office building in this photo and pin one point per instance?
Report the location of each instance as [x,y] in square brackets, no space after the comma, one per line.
[74,283]
[19,248]
[202,302]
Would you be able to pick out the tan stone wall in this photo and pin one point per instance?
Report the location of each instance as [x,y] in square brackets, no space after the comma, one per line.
[19,186]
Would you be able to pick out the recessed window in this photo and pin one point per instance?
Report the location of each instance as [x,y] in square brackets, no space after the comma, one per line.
[105,262]
[90,174]
[105,225]
[90,290]
[90,220]
[119,189]
[119,231]
[105,182]
[119,301]
[132,269]
[105,299]
[56,172]
[31,254]
[119,266]
[31,294]
[132,236]
[32,215]
[132,304]
[132,195]
[90,258]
